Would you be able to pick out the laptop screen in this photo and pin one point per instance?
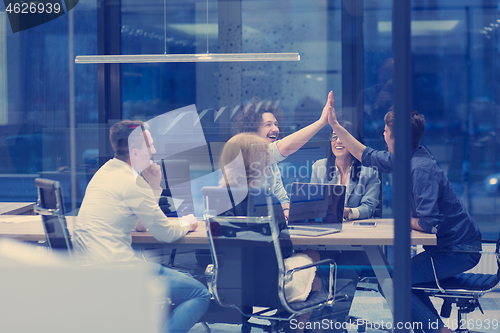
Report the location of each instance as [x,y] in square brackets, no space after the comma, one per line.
[316,204]
[239,201]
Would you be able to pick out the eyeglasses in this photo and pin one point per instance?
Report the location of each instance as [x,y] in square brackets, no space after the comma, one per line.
[333,137]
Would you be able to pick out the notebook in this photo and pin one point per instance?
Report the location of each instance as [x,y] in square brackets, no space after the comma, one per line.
[316,209]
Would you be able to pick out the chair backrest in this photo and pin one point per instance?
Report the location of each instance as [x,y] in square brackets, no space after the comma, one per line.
[247,251]
[177,185]
[51,207]
[236,240]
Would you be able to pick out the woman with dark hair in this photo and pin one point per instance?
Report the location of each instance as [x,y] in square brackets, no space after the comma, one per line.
[362,183]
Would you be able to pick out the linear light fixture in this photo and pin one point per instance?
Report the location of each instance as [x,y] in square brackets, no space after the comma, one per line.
[202,57]
[421,27]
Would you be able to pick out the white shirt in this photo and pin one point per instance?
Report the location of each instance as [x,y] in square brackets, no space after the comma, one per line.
[115,199]
[354,211]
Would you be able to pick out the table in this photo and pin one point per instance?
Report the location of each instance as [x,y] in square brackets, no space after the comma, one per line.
[16,208]
[29,228]
[368,239]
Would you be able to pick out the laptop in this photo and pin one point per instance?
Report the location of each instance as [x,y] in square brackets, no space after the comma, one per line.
[238,206]
[316,209]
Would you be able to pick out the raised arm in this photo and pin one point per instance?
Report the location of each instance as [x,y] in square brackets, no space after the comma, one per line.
[293,142]
[355,147]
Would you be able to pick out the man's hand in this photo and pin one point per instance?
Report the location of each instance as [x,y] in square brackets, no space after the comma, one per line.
[330,110]
[152,174]
[189,220]
[355,147]
[140,227]
[414,223]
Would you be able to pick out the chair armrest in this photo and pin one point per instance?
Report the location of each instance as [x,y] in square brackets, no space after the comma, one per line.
[45,211]
[332,284]
[441,289]
[289,274]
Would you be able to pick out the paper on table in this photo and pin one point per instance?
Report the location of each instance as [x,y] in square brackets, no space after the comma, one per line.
[20,218]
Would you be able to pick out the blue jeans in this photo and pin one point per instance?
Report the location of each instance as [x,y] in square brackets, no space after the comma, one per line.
[189,295]
[446,265]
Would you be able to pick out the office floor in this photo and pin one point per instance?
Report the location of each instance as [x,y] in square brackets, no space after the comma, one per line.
[371,306]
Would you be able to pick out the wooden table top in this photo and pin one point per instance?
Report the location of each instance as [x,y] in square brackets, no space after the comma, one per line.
[30,228]
[16,208]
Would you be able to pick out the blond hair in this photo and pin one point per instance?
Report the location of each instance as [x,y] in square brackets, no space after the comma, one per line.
[249,168]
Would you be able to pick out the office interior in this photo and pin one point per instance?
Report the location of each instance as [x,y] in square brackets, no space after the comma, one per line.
[55,114]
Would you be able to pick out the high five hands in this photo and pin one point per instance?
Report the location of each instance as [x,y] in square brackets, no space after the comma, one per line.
[329,110]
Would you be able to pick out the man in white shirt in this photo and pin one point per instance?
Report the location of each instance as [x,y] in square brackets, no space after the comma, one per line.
[126,190]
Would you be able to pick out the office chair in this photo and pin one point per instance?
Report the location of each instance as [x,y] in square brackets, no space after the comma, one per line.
[464,289]
[176,182]
[175,176]
[51,207]
[238,244]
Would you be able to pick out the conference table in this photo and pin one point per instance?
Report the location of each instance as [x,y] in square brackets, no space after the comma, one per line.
[16,208]
[351,238]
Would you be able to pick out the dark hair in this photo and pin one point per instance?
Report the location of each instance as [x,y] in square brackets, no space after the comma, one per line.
[250,118]
[330,156]
[417,126]
[119,135]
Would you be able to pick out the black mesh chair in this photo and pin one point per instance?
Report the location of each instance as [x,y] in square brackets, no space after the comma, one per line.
[463,289]
[176,184]
[51,207]
[248,268]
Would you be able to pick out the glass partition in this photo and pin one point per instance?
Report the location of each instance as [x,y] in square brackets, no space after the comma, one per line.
[454,61]
[35,104]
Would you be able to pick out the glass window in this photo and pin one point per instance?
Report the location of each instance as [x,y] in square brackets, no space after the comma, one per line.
[454,82]
[220,90]
[35,104]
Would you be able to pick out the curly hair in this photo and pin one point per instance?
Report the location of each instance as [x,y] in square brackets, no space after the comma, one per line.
[250,118]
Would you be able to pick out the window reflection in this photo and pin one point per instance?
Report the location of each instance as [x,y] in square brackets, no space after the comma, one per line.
[455,60]
[454,86]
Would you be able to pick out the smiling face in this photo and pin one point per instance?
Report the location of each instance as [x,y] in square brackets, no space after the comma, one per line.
[338,148]
[268,129]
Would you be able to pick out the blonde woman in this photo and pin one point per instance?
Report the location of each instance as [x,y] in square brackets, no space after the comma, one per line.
[245,162]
